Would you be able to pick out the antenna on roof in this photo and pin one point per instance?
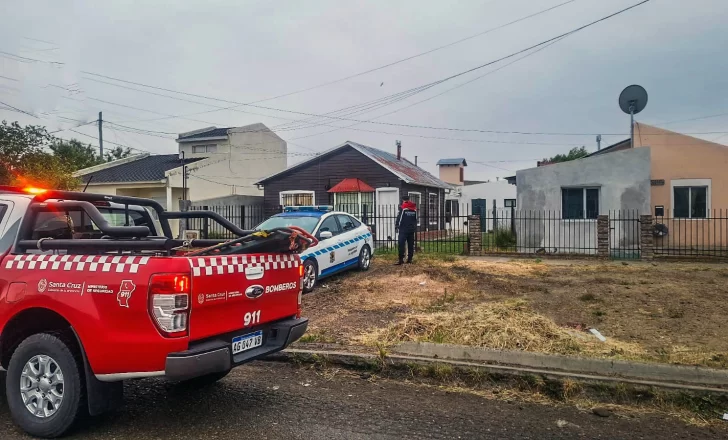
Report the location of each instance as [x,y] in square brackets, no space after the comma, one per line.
[633,100]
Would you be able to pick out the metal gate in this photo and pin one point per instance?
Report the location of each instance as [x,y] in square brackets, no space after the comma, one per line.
[624,235]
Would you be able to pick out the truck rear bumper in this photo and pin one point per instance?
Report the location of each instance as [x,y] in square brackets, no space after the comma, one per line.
[214,355]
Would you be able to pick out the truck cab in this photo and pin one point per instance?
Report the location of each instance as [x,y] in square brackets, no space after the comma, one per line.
[94,290]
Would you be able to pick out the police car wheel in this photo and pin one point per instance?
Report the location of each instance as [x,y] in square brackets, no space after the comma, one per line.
[44,386]
[365,258]
[310,275]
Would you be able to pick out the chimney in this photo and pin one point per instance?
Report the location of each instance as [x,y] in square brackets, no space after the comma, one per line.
[415,160]
[399,150]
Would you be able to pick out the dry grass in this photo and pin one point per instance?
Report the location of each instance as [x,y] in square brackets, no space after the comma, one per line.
[662,312]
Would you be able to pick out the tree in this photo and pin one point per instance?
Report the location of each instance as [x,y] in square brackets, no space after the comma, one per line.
[117,153]
[573,154]
[23,161]
[75,154]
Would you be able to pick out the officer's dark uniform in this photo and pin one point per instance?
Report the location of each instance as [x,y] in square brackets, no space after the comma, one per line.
[406,227]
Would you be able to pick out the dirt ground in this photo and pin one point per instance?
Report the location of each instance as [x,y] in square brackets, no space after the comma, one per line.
[661,312]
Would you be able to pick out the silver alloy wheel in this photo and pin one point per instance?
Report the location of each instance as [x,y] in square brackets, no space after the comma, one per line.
[309,277]
[41,386]
[366,258]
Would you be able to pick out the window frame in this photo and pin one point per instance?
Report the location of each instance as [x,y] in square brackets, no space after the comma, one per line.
[419,204]
[321,223]
[433,219]
[505,203]
[205,147]
[584,213]
[281,195]
[691,183]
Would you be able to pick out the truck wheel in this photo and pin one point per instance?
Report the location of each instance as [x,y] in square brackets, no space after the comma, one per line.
[365,258]
[310,275]
[44,387]
[206,380]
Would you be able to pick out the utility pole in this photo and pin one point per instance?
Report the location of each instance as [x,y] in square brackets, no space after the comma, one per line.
[101,136]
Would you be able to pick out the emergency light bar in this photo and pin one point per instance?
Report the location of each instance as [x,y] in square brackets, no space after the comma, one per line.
[321,208]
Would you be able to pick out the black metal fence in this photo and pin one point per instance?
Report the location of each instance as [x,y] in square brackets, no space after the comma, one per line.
[624,234]
[698,234]
[536,232]
[244,216]
[445,232]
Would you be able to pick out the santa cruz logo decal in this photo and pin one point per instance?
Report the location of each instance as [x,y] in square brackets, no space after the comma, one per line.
[42,285]
[255,291]
[126,288]
[201,298]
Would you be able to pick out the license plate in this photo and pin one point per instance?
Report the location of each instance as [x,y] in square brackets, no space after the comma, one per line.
[246,342]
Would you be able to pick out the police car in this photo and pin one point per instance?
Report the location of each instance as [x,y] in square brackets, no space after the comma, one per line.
[344,242]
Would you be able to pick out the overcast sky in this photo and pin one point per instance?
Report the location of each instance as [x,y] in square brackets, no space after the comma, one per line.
[245,51]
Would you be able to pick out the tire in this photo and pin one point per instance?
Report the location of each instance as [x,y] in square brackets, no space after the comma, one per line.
[206,380]
[45,353]
[365,258]
[310,275]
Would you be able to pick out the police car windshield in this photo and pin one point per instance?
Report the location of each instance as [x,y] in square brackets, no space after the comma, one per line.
[307,223]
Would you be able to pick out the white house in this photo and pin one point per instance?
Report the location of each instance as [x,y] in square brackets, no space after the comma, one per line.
[475,197]
[219,162]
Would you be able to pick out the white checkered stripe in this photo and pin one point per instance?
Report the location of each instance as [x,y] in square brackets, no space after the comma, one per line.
[202,266]
[77,263]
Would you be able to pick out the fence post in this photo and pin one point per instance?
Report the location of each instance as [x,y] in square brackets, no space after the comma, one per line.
[205,224]
[475,236]
[242,217]
[647,251]
[603,236]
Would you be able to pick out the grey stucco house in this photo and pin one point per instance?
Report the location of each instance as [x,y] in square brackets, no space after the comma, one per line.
[560,202]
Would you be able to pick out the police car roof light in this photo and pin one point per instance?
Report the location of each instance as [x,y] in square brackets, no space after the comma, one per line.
[324,208]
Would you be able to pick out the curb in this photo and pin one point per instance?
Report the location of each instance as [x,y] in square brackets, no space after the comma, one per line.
[364,360]
[698,376]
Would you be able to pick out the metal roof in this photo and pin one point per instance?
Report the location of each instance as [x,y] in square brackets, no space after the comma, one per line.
[453,161]
[145,169]
[213,132]
[351,185]
[402,168]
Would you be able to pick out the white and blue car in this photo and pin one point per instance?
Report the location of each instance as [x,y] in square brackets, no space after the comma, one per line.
[344,242]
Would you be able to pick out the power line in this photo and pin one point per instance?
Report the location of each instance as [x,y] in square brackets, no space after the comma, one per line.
[29,60]
[8,78]
[18,110]
[354,120]
[419,54]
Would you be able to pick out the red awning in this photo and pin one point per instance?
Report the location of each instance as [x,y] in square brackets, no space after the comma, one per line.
[351,185]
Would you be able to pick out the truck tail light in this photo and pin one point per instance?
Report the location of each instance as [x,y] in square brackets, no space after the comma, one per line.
[300,290]
[169,303]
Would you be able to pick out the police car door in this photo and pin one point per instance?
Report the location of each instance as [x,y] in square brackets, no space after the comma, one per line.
[331,256]
[350,247]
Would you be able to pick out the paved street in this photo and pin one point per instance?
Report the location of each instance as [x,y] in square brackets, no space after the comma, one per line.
[280,401]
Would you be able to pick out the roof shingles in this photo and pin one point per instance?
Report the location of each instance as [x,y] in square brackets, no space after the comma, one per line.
[146,169]
[213,132]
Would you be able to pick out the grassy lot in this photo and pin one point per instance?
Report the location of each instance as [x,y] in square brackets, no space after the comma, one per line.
[659,312]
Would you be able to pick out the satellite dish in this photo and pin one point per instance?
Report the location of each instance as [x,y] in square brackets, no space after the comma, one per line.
[633,99]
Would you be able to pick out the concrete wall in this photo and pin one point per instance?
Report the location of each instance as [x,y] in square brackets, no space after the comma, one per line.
[498,191]
[682,160]
[251,153]
[623,179]
[451,174]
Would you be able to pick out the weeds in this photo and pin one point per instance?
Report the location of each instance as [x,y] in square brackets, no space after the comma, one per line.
[587,297]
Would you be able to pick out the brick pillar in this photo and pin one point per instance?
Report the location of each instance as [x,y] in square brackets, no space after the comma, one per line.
[475,236]
[603,236]
[646,238]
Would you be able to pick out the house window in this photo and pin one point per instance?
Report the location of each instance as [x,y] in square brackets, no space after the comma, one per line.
[416,198]
[690,201]
[297,198]
[580,203]
[433,209]
[196,149]
[452,208]
[509,203]
[355,203]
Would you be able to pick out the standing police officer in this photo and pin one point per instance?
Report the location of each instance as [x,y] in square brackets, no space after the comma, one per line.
[406,227]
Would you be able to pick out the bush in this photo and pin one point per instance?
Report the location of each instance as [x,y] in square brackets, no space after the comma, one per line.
[504,238]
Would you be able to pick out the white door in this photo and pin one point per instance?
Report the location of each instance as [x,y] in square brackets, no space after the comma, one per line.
[387,205]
